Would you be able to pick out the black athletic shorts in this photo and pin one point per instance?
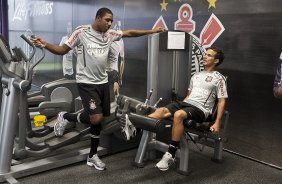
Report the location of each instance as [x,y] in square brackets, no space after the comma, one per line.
[95,98]
[112,76]
[193,112]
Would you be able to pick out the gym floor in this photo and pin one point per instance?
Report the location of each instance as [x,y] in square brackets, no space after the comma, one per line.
[120,169]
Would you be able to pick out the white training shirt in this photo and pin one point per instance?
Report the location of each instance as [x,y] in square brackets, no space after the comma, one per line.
[92,53]
[205,87]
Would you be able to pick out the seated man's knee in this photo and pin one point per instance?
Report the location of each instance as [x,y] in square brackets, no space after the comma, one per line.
[179,115]
[96,119]
[160,113]
[161,110]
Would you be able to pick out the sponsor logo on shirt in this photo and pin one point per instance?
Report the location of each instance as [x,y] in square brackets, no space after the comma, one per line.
[115,34]
[201,91]
[221,87]
[74,38]
[97,50]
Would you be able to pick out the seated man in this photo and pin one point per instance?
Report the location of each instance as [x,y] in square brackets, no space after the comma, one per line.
[277,86]
[205,87]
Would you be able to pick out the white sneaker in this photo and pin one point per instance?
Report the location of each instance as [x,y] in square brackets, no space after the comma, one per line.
[60,124]
[165,162]
[96,162]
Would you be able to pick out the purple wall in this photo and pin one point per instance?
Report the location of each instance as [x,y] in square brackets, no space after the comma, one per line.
[4,18]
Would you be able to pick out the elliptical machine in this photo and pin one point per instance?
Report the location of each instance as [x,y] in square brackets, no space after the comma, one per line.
[25,150]
[13,81]
[15,126]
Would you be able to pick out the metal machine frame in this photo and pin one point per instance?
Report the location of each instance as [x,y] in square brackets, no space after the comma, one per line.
[167,66]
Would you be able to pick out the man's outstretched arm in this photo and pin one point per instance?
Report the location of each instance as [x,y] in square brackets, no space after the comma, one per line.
[55,49]
[139,32]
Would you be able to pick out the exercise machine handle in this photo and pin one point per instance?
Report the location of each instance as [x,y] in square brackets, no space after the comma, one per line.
[148,97]
[31,44]
[29,77]
[156,104]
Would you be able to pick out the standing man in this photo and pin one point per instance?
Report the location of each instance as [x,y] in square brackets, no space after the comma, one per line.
[277,85]
[205,89]
[93,42]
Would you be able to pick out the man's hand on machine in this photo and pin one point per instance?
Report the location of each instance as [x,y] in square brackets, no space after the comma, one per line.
[158,29]
[38,42]
[215,128]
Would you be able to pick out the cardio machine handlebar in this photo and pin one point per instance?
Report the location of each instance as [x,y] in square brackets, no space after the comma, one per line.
[22,84]
[33,51]
[31,44]
[31,67]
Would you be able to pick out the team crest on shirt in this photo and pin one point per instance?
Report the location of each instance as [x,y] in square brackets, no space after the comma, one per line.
[92,104]
[208,79]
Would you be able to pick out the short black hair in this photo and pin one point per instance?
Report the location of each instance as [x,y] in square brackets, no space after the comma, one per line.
[219,55]
[103,11]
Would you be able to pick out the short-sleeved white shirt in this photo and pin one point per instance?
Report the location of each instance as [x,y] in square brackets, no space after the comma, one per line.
[92,53]
[205,87]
